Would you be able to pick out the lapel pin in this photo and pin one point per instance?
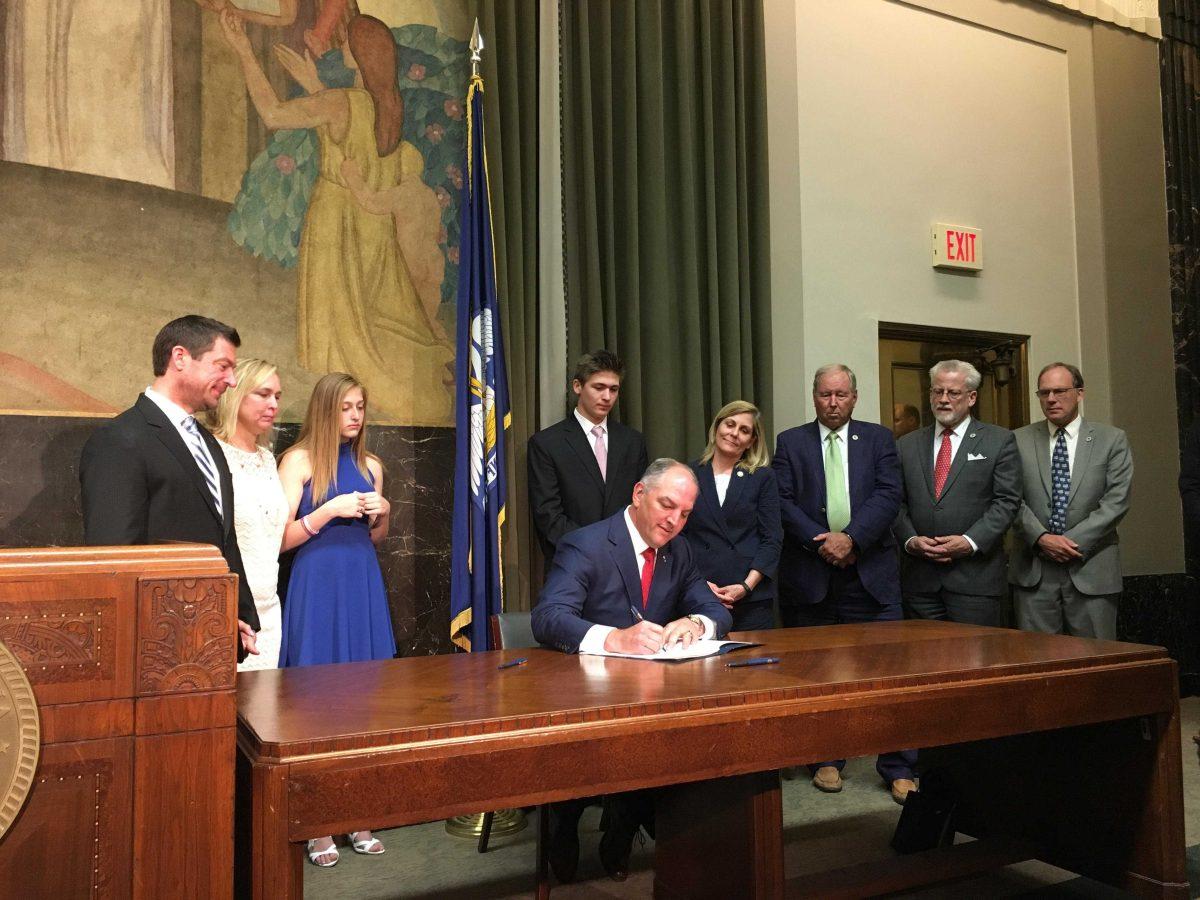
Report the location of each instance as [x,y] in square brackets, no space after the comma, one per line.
[971,435]
[854,437]
[741,473]
[1089,437]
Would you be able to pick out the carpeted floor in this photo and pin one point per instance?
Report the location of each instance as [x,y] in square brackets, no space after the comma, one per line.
[821,831]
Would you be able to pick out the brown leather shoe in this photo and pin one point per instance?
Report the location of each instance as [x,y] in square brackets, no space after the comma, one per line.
[900,789]
[828,779]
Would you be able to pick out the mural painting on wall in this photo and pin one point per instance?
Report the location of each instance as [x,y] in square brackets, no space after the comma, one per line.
[293,167]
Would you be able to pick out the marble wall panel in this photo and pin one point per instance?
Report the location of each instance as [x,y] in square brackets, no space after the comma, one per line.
[1164,610]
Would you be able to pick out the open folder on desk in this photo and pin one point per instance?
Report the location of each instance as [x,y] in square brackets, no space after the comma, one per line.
[677,651]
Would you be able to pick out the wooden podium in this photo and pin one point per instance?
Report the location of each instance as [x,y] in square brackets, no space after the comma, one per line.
[131,654]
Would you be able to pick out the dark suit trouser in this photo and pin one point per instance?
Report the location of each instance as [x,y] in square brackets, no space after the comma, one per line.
[848,601]
[967,609]
[757,615]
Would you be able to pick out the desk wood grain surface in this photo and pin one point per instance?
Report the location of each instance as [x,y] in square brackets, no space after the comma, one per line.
[424,699]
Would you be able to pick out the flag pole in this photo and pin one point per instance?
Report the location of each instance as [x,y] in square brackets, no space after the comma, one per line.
[502,822]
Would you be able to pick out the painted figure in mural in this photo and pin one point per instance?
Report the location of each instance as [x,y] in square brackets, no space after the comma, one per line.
[358,306]
[319,24]
[337,606]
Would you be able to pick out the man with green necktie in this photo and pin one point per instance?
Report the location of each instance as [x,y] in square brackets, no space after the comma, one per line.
[839,492]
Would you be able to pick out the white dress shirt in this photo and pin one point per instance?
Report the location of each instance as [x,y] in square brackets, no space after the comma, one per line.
[956,435]
[1072,437]
[178,415]
[587,429]
[843,439]
[593,641]
[722,483]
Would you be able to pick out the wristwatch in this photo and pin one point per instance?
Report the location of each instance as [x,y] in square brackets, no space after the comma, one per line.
[696,620]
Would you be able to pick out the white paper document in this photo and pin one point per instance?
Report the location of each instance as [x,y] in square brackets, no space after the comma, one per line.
[677,651]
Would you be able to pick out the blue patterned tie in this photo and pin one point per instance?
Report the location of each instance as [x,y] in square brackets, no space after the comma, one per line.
[1060,481]
[196,445]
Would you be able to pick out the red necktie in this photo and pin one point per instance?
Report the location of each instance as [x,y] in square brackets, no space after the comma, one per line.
[647,574]
[941,468]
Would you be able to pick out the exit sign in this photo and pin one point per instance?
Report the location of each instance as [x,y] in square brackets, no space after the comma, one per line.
[957,247]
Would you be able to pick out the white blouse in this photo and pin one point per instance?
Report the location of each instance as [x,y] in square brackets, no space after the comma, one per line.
[260,511]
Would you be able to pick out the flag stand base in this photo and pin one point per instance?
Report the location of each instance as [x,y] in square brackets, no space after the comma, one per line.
[504,823]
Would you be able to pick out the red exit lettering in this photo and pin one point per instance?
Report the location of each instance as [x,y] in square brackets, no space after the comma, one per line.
[960,246]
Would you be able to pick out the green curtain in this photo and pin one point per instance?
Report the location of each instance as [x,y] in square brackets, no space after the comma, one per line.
[510,77]
[665,206]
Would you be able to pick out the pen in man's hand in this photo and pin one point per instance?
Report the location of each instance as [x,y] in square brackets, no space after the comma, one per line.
[637,616]
[756,661]
[512,663]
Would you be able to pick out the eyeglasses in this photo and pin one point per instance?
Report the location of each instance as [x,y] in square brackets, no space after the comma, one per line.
[935,393]
[1046,393]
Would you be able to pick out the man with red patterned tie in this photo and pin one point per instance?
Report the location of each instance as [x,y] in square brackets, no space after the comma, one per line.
[962,489]
[627,584]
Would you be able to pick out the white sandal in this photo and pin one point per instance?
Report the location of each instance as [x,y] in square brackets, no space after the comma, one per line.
[366,847]
[313,855]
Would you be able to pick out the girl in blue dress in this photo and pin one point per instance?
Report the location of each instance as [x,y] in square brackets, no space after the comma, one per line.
[336,609]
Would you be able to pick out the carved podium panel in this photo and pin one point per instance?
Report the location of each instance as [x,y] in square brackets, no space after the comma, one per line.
[131,655]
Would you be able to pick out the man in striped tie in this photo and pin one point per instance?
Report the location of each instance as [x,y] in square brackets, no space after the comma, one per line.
[155,474]
[1066,564]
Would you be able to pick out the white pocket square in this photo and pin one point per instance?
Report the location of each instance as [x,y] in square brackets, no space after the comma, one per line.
[974,456]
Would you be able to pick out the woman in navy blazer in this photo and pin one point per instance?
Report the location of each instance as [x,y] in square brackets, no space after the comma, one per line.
[734,529]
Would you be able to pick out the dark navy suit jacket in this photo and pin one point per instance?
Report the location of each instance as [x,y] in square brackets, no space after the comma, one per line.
[743,534]
[595,581]
[875,493]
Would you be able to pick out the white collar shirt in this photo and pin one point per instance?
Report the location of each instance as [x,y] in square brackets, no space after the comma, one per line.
[593,640]
[639,544]
[587,429]
[1071,430]
[177,416]
[956,436]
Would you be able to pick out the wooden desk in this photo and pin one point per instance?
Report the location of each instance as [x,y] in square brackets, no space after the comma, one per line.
[329,748]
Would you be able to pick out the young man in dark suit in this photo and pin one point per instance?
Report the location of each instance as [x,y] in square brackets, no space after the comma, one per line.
[627,584]
[839,490]
[583,469]
[154,474]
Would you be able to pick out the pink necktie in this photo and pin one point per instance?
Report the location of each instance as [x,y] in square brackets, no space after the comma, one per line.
[941,468]
[601,452]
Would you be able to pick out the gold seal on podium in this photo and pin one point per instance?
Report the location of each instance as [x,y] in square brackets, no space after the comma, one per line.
[20,738]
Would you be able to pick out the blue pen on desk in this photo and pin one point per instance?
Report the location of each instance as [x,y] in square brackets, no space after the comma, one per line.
[513,663]
[756,661]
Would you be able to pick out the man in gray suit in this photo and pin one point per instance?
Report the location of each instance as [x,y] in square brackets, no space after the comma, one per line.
[1066,565]
[961,492]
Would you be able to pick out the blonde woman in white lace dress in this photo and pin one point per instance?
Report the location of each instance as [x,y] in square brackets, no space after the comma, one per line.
[243,422]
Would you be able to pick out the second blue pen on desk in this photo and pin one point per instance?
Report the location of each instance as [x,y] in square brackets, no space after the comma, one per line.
[756,661]
[513,663]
